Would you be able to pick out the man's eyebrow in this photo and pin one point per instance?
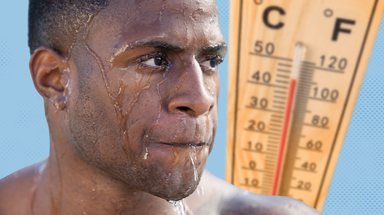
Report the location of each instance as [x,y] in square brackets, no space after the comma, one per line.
[159,44]
[149,43]
[216,48]
[152,43]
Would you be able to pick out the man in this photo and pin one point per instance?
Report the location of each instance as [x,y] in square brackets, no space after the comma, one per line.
[130,91]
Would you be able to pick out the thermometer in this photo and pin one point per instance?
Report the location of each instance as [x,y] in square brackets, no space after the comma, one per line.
[295,71]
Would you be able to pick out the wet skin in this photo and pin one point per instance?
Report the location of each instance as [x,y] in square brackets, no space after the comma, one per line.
[132,113]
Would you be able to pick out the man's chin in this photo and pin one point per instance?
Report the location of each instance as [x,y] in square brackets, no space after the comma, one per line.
[174,193]
[169,176]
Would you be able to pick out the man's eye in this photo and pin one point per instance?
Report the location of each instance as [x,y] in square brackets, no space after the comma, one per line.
[211,63]
[154,61]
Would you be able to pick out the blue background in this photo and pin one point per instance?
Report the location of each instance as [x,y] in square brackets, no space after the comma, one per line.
[356,188]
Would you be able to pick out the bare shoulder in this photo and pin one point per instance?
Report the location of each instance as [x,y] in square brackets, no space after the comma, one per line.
[244,202]
[15,191]
[229,200]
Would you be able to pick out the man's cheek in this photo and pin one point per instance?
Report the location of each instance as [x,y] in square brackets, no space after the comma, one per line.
[135,133]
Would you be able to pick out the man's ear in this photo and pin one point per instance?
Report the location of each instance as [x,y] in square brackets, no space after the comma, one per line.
[46,67]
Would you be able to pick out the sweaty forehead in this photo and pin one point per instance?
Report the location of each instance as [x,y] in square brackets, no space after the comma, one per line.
[146,12]
[182,22]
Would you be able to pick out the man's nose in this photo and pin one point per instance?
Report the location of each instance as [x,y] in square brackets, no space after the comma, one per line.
[192,97]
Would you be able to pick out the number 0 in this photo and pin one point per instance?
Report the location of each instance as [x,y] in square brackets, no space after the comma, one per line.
[270,48]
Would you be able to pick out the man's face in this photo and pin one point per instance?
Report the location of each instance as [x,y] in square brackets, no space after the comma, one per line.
[143,92]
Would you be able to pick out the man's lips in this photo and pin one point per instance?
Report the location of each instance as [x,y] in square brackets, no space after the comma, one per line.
[187,144]
[181,142]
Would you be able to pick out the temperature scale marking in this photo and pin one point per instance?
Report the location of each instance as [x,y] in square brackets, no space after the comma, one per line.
[289,110]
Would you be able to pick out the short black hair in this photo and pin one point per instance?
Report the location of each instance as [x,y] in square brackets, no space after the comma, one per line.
[55,23]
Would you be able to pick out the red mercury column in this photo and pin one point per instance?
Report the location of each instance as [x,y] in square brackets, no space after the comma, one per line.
[299,50]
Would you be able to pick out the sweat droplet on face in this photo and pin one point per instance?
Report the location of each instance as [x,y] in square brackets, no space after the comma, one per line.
[178,207]
[200,191]
[194,160]
[146,153]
